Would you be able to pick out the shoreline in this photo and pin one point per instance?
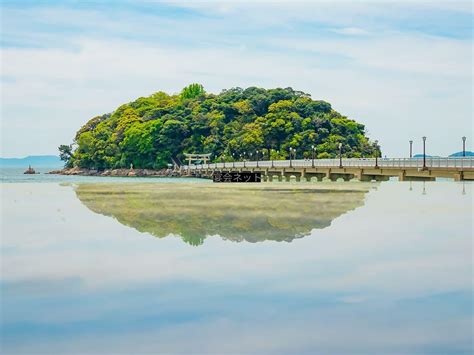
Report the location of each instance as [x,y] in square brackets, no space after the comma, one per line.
[117,172]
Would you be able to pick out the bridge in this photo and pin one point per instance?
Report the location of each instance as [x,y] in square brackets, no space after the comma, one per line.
[363,169]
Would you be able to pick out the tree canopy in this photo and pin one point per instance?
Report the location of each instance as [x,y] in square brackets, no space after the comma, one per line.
[151,131]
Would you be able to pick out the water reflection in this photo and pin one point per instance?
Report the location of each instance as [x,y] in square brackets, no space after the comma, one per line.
[279,212]
[391,277]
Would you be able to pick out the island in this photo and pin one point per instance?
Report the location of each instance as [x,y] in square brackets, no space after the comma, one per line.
[154,132]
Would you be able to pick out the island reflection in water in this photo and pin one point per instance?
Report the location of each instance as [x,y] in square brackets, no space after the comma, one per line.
[254,213]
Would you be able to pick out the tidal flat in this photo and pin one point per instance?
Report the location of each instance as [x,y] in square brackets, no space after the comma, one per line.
[186,267]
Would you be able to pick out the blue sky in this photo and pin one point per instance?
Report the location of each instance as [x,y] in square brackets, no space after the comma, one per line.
[402,68]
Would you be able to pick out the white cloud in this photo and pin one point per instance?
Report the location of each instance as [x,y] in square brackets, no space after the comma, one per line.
[351,31]
[401,85]
[439,57]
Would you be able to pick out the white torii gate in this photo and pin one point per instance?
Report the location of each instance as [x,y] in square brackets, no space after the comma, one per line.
[193,157]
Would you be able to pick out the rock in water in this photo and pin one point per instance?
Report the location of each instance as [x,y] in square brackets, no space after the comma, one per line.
[30,170]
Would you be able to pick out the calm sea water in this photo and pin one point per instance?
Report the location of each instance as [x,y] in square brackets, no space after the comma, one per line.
[130,266]
[9,175]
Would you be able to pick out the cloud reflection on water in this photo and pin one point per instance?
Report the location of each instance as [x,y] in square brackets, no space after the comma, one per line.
[392,276]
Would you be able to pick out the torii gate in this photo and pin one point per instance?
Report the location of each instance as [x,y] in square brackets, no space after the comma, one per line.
[193,157]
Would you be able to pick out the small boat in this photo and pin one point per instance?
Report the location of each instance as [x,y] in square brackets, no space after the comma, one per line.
[30,170]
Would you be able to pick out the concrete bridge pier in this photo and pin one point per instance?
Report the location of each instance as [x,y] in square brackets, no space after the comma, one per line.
[459,176]
[369,177]
[318,176]
[344,176]
[288,176]
[402,176]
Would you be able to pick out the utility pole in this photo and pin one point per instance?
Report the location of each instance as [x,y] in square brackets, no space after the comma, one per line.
[376,154]
[340,155]
[424,152]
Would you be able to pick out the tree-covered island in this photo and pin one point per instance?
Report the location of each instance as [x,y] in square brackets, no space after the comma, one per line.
[152,131]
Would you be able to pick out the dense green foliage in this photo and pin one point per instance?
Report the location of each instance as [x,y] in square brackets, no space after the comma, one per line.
[150,131]
[192,91]
[65,154]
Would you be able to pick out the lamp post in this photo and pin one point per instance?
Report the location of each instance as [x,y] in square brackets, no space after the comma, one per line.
[233,160]
[294,153]
[312,156]
[340,155]
[257,158]
[411,149]
[424,152]
[270,156]
[243,158]
[290,157]
[463,146]
[376,154]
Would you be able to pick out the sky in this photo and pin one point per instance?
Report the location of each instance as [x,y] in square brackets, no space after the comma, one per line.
[404,69]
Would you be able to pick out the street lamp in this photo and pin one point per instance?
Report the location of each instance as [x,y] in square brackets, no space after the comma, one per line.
[270,156]
[411,149]
[463,146]
[257,158]
[290,157]
[424,152]
[376,154]
[340,155]
[312,156]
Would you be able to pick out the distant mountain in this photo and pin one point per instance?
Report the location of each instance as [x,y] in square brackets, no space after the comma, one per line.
[36,161]
[459,154]
[421,156]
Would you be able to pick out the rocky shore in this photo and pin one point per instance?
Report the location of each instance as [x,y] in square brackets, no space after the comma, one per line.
[116,172]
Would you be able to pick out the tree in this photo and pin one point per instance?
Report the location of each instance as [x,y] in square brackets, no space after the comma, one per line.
[192,91]
[65,154]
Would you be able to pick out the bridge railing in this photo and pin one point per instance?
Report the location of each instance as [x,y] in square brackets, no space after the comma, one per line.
[431,162]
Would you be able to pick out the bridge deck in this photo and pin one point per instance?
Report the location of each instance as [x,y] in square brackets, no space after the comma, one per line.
[362,169]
